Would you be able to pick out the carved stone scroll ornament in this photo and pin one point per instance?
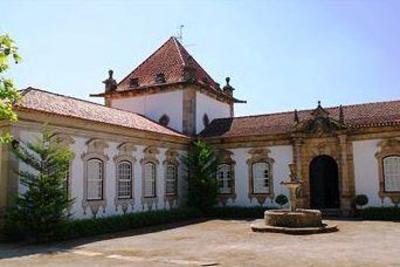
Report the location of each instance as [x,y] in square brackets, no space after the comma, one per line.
[319,123]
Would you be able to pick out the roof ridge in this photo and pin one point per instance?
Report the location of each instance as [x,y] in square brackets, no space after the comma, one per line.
[178,47]
[145,61]
[197,63]
[305,110]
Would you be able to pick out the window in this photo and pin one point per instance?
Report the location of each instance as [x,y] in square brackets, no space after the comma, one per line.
[391,172]
[224,177]
[124,172]
[261,176]
[149,180]
[134,82]
[171,179]
[95,179]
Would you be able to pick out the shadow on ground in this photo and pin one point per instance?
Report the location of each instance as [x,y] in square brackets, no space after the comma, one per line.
[12,250]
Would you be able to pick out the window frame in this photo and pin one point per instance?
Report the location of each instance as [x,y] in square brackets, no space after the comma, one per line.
[386,148]
[257,155]
[131,179]
[228,180]
[102,179]
[154,180]
[384,174]
[268,167]
[175,179]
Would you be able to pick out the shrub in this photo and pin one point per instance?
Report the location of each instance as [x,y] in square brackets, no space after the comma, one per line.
[236,212]
[43,206]
[361,200]
[381,213]
[281,200]
[201,165]
[90,227]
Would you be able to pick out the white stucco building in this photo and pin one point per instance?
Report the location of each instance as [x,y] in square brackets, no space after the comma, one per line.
[127,153]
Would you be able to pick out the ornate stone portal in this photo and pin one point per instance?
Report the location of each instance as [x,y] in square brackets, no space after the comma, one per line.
[293,220]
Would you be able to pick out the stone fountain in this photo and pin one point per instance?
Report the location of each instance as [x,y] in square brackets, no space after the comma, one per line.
[293,220]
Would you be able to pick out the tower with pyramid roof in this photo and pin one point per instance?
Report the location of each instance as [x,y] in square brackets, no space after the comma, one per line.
[171,88]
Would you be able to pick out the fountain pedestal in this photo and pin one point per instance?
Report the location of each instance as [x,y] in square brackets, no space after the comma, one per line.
[293,220]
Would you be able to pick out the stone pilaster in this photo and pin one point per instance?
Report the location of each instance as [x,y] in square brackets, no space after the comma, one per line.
[189,111]
[346,194]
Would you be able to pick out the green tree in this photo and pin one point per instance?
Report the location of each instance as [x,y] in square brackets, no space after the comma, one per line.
[361,200]
[43,207]
[201,165]
[8,92]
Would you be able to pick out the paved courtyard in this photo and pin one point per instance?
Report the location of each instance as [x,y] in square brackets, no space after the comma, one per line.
[220,243]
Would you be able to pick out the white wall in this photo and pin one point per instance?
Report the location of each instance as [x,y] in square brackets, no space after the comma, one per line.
[366,172]
[213,108]
[154,106]
[77,182]
[282,156]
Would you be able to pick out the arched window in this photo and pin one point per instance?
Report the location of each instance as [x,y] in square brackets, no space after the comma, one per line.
[261,177]
[391,173]
[95,179]
[171,179]
[224,177]
[150,180]
[124,172]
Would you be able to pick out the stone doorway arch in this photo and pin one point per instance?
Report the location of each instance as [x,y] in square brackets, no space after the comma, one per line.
[324,183]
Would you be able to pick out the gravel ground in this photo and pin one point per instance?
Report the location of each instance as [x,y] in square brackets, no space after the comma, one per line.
[220,243]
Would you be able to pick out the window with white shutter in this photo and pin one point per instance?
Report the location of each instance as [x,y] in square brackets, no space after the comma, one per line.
[149,180]
[391,171]
[171,179]
[224,177]
[261,177]
[95,179]
[124,172]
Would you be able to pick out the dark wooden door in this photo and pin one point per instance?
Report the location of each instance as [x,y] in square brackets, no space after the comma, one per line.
[324,183]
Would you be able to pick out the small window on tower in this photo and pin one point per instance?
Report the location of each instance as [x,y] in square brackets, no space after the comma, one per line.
[160,78]
[134,82]
[164,120]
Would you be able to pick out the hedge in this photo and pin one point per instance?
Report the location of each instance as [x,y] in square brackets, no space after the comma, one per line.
[380,213]
[90,227]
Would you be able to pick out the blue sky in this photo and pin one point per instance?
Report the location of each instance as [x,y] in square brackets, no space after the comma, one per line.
[280,55]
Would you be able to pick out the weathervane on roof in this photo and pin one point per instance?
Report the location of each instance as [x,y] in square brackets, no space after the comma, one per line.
[180,33]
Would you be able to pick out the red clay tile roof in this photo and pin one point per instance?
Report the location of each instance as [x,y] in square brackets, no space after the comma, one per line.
[356,116]
[170,60]
[47,102]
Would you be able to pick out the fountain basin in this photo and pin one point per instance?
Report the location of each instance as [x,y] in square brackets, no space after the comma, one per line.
[299,222]
[298,218]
